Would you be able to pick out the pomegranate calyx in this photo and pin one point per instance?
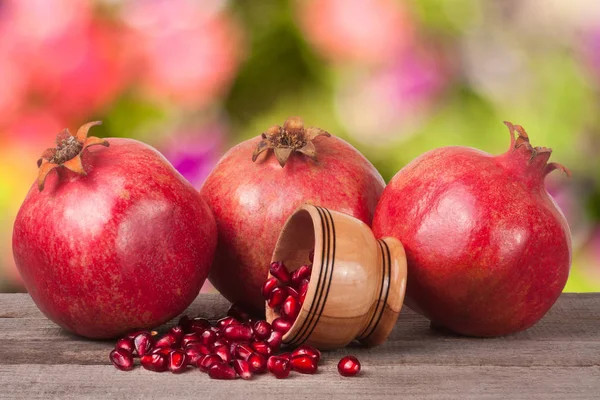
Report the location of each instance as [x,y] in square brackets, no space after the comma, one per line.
[289,138]
[522,141]
[67,152]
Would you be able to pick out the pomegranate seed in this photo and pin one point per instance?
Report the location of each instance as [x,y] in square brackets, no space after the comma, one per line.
[165,351]
[287,355]
[292,292]
[178,332]
[261,329]
[223,352]
[208,337]
[268,287]
[199,325]
[190,338]
[302,290]
[131,335]
[243,351]
[198,346]
[236,311]
[121,359]
[257,363]
[221,371]
[193,355]
[301,273]
[185,322]
[279,271]
[226,321]
[216,331]
[311,255]
[349,366]
[238,332]
[262,348]
[125,344]
[290,309]
[168,340]
[242,368]
[208,361]
[304,364]
[220,342]
[278,296]
[154,362]
[278,366]
[281,325]
[177,361]
[307,350]
[275,339]
[143,343]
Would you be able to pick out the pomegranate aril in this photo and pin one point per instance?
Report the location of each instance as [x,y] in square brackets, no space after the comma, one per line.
[190,338]
[178,332]
[199,325]
[198,346]
[243,351]
[221,371]
[302,290]
[304,364]
[205,362]
[143,343]
[290,309]
[194,355]
[242,368]
[307,350]
[349,366]
[292,292]
[281,325]
[216,331]
[226,321]
[221,342]
[161,350]
[177,361]
[278,366]
[154,362]
[125,344]
[238,332]
[274,340]
[286,355]
[168,340]
[121,359]
[261,329]
[257,363]
[131,335]
[301,273]
[262,348]
[279,271]
[268,287]
[278,296]
[223,352]
[237,312]
[208,337]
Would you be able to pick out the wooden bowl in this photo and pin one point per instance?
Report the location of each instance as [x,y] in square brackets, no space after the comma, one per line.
[357,284]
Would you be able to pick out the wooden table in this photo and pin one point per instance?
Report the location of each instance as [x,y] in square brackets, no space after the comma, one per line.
[557,359]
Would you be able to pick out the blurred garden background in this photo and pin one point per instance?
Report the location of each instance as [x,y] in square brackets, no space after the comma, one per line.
[395,78]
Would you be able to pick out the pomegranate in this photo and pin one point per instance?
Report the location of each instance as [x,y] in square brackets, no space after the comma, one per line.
[251,201]
[177,361]
[121,359]
[111,237]
[242,368]
[257,364]
[488,250]
[154,362]
[221,370]
[304,364]
[349,366]
[279,367]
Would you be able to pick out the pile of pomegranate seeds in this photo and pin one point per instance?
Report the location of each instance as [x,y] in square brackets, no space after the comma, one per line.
[235,345]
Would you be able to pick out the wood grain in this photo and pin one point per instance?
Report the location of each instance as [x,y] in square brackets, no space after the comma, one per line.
[559,358]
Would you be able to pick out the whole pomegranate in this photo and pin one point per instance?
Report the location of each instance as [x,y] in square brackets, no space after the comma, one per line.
[111,238]
[488,250]
[252,193]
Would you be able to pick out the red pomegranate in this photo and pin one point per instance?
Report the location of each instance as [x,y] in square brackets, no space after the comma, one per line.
[252,193]
[488,250]
[111,238]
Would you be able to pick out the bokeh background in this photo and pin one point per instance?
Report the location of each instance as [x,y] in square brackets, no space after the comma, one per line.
[395,78]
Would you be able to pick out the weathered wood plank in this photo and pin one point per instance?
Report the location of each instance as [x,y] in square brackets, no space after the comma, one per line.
[393,381]
[567,336]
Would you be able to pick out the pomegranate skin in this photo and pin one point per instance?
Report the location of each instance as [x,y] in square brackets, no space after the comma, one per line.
[252,200]
[488,250]
[126,246]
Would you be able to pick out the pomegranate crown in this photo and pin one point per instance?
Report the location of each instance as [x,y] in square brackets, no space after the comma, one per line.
[521,141]
[67,152]
[289,138]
